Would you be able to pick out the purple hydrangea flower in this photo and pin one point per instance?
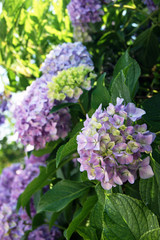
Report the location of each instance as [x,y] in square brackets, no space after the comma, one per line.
[13,225]
[22,178]
[34,122]
[43,233]
[65,56]
[83,12]
[34,160]
[111,145]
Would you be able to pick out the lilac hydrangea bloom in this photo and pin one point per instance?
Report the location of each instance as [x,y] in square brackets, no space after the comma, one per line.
[34,123]
[3,106]
[12,225]
[111,145]
[6,180]
[83,12]
[43,233]
[34,160]
[65,56]
[22,178]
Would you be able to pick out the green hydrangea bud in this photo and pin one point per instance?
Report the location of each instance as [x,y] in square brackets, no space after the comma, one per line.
[70,82]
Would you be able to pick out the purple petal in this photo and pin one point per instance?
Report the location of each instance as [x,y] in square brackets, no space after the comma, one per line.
[146,172]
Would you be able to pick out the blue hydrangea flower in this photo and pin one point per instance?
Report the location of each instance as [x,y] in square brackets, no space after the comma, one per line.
[83,12]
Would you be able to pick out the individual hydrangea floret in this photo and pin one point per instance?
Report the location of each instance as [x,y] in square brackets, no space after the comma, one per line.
[65,56]
[68,84]
[34,122]
[113,148]
[83,12]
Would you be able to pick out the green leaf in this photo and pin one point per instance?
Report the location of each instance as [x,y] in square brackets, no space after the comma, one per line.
[131,69]
[48,149]
[119,88]
[38,220]
[61,195]
[60,106]
[100,94]
[97,211]
[38,183]
[152,116]
[3,30]
[151,235]
[88,233]
[76,129]
[67,149]
[88,205]
[146,49]
[126,218]
[85,100]
[58,155]
[150,190]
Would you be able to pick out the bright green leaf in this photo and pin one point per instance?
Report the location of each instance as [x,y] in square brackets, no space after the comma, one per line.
[61,195]
[151,235]
[119,88]
[100,94]
[126,218]
[88,205]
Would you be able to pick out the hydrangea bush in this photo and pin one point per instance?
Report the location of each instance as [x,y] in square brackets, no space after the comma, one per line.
[89,123]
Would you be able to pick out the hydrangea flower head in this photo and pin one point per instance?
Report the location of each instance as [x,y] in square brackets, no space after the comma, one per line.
[44,233]
[34,122]
[83,12]
[12,224]
[65,56]
[68,83]
[111,146]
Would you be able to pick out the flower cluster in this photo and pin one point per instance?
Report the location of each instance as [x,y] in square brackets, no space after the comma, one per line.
[66,86]
[13,225]
[150,4]
[82,35]
[34,122]
[113,148]
[83,12]
[35,160]
[65,56]
[43,233]
[3,106]
[13,181]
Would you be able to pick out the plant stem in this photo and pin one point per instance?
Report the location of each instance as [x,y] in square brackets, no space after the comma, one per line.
[82,108]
